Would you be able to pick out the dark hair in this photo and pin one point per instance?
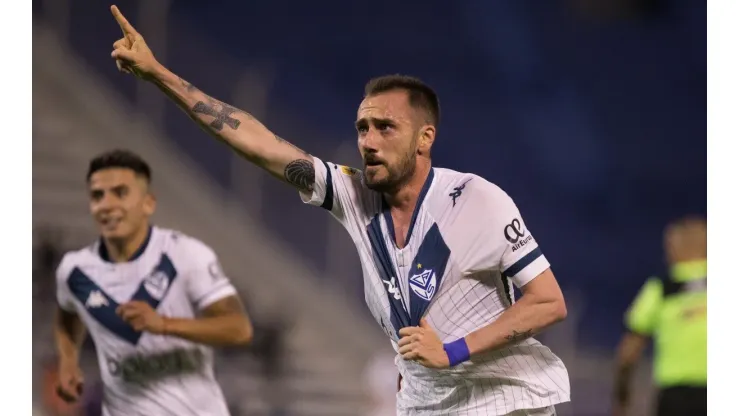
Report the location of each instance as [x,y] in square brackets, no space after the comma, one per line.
[421,96]
[120,159]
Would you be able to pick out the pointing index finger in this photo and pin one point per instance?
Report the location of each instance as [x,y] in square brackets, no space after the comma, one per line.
[125,25]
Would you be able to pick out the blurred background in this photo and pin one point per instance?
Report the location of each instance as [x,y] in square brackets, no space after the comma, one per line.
[590,114]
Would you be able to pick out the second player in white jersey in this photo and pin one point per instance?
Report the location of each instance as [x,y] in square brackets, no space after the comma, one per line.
[146,373]
[466,248]
[152,300]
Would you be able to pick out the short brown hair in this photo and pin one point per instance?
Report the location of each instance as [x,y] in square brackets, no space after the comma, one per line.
[421,96]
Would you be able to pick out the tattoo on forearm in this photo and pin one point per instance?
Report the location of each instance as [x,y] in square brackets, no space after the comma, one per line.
[518,336]
[222,116]
[300,173]
[188,86]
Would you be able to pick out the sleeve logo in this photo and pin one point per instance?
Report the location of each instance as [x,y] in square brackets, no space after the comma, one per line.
[214,269]
[515,234]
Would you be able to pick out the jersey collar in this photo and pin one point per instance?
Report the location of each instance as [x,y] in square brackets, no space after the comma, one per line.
[689,270]
[419,201]
[103,250]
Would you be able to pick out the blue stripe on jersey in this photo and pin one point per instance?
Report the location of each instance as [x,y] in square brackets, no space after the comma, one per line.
[383,263]
[425,275]
[522,263]
[328,203]
[83,287]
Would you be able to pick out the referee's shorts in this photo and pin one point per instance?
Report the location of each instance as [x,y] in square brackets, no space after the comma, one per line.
[682,401]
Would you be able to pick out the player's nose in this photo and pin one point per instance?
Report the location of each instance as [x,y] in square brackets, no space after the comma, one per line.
[367,146]
[106,203]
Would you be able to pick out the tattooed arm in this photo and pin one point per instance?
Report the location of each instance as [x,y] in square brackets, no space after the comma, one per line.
[540,306]
[238,129]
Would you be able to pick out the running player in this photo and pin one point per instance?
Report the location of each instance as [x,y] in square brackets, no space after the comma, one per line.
[152,299]
[440,250]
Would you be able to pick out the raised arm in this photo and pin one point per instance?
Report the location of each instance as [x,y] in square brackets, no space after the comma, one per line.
[237,128]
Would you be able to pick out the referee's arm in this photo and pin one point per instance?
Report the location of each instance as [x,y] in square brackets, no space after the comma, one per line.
[640,322]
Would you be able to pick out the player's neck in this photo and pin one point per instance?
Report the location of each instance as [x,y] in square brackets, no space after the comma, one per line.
[119,251]
[405,198]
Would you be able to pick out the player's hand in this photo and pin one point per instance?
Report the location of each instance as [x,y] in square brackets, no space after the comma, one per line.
[131,53]
[421,344]
[70,382]
[142,317]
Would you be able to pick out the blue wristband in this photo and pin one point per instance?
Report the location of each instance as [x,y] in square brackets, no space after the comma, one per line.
[457,351]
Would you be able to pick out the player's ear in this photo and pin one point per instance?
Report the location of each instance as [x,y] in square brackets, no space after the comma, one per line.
[150,203]
[427,133]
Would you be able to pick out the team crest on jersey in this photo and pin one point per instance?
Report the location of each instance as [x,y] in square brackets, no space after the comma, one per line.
[424,284]
[156,284]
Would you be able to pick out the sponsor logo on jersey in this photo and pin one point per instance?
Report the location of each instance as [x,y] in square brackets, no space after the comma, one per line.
[424,284]
[145,368]
[457,192]
[515,233]
[96,299]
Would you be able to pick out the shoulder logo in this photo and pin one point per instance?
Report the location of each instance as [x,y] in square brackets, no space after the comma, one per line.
[424,284]
[96,299]
[348,170]
[515,233]
[457,192]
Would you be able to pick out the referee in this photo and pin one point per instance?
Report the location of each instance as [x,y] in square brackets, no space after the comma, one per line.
[672,310]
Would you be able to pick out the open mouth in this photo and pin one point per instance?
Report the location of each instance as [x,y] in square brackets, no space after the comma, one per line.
[371,163]
[110,222]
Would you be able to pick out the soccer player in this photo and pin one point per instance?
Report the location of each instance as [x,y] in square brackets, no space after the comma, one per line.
[440,250]
[671,309]
[152,299]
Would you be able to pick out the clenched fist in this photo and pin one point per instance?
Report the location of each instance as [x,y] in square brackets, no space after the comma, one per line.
[421,344]
[131,53]
[70,383]
[142,317]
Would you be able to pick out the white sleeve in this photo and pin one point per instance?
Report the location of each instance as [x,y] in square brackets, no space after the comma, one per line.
[206,281]
[520,258]
[504,242]
[338,189]
[65,299]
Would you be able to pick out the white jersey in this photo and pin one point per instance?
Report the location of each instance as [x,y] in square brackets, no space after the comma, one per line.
[466,247]
[144,373]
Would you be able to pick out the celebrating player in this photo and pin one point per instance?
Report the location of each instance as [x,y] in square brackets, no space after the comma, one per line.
[138,291]
[440,250]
